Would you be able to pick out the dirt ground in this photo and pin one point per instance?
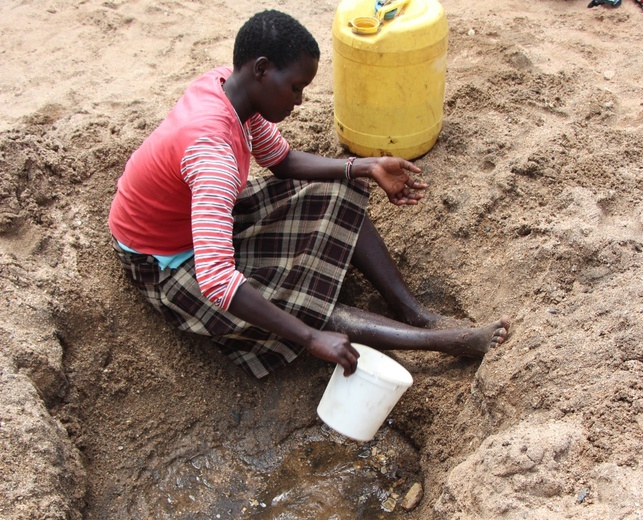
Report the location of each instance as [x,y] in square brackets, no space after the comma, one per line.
[534,209]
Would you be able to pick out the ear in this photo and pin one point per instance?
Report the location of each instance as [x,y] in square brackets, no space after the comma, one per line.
[260,68]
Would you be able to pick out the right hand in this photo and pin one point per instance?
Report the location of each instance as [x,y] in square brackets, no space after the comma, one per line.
[393,175]
[252,307]
[334,347]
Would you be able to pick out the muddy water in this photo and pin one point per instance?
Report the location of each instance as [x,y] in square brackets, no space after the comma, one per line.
[317,473]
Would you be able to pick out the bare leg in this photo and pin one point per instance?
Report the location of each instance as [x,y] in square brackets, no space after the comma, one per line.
[385,334]
[372,258]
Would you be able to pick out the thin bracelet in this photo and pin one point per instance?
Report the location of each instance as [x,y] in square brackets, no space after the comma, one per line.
[348,168]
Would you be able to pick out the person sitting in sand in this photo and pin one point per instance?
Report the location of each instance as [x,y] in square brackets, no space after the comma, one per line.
[257,263]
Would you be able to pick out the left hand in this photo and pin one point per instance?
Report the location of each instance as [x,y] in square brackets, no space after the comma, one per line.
[392,175]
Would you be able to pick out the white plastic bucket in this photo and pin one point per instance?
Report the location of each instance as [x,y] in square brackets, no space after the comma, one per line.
[357,405]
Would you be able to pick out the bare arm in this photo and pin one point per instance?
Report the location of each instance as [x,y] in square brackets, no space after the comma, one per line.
[392,174]
[213,198]
[247,304]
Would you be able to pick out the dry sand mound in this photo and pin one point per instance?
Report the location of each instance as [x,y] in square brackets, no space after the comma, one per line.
[534,210]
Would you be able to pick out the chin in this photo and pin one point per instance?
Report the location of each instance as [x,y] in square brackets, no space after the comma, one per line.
[273,118]
[277,118]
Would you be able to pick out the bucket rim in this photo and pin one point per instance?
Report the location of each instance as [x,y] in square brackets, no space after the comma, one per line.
[402,381]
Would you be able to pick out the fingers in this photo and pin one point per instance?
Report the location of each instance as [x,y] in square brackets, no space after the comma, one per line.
[349,364]
[416,185]
[410,182]
[353,350]
[349,361]
[393,176]
[405,197]
[404,202]
[409,166]
[396,165]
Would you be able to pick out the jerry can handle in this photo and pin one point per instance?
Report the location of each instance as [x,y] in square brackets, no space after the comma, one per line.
[372,24]
[400,4]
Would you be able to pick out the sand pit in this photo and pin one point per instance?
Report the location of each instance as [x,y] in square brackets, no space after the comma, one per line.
[534,209]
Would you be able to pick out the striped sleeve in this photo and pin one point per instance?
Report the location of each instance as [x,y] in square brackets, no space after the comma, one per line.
[210,169]
[268,145]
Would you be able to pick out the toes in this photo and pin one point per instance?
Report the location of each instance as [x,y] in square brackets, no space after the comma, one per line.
[499,336]
[505,322]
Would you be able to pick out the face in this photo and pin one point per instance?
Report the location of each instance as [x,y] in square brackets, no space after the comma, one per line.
[282,89]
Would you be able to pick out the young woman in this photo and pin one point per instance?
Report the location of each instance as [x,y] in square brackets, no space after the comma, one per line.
[257,264]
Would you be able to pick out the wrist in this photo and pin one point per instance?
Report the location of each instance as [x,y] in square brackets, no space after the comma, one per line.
[305,336]
[348,169]
[361,167]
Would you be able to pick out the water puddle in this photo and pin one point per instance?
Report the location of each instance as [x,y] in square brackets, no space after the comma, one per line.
[333,477]
[316,473]
[192,486]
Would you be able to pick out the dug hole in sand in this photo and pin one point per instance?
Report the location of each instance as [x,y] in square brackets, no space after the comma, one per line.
[534,209]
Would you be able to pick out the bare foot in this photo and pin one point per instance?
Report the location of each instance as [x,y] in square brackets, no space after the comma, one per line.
[476,342]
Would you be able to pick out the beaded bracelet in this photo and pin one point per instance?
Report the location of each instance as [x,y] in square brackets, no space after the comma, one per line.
[348,167]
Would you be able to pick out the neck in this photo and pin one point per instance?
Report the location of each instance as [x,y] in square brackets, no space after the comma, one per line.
[236,95]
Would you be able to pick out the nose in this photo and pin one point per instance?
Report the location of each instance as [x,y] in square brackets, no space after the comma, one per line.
[299,98]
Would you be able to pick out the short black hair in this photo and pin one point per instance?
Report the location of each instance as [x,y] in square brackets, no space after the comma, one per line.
[275,35]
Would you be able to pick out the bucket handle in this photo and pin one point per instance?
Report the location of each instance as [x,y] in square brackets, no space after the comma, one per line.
[373,24]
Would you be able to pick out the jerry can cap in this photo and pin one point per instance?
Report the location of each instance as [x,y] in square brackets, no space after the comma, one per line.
[385,10]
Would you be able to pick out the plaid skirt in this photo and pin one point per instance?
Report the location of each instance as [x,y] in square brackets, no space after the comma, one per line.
[293,242]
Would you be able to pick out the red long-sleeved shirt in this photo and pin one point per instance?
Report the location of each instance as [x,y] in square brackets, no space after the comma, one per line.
[178,189]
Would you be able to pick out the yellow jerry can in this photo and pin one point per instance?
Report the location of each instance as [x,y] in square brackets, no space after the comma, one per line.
[389,68]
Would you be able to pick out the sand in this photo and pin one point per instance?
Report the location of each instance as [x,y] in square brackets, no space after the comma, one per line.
[534,209]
